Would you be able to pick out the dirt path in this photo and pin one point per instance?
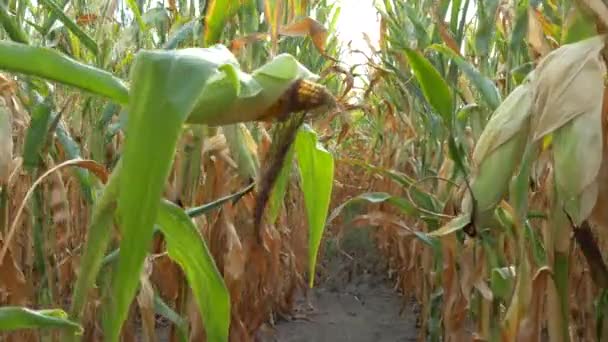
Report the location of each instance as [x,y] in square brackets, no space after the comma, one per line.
[353,303]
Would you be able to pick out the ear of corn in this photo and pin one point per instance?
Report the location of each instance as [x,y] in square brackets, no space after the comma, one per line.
[498,153]
[220,104]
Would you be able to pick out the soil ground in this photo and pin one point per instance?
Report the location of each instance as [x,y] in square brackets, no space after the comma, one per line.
[352,301]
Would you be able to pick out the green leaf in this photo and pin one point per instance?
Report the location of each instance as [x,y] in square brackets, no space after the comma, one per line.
[15,32]
[316,166]
[154,124]
[487,88]
[72,151]
[17,318]
[98,238]
[434,87]
[50,20]
[520,28]
[71,25]
[49,64]
[36,136]
[280,187]
[486,12]
[218,12]
[184,32]
[193,212]
[186,247]
[501,281]
[137,13]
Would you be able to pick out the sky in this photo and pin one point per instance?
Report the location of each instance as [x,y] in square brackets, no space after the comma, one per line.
[358,17]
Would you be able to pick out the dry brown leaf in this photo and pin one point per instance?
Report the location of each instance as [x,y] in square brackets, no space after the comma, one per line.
[307,27]
[239,43]
[464,86]
[447,38]
[14,289]
[536,34]
[569,82]
[383,32]
[6,142]
[530,327]
[145,300]
[214,144]
[599,215]
[86,19]
[98,169]
[234,254]
[59,206]
[172,6]
[272,13]
[455,304]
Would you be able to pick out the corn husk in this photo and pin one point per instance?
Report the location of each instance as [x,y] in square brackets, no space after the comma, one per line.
[568,95]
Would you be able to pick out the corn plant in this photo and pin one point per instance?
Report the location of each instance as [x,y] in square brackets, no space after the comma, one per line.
[169,91]
[492,189]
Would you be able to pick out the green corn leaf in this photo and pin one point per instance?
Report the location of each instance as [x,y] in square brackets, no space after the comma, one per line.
[52,65]
[420,27]
[218,103]
[72,151]
[502,281]
[317,174]
[9,24]
[50,20]
[488,90]
[71,25]
[98,238]
[434,87]
[17,318]
[192,212]
[186,247]
[137,13]
[521,27]
[218,12]
[165,86]
[183,33]
[280,187]
[36,136]
[486,11]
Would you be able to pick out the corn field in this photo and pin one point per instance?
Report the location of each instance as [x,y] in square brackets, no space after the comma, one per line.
[174,170]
